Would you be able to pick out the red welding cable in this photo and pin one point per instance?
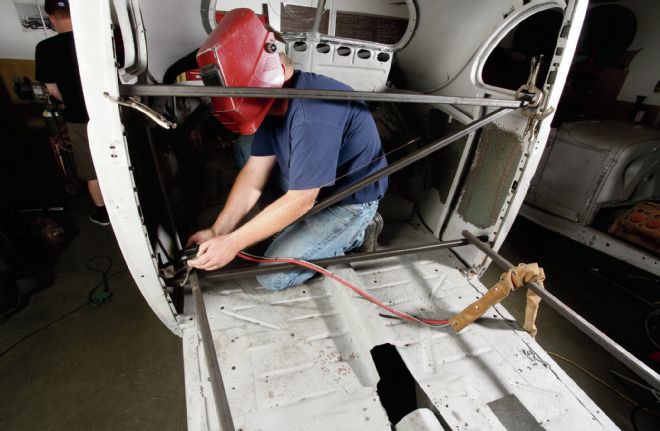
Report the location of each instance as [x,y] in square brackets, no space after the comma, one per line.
[354,288]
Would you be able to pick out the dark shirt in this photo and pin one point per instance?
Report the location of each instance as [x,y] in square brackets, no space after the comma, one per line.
[56,62]
[324,144]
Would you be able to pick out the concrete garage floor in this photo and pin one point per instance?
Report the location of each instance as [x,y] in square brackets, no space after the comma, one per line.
[115,366]
[106,367]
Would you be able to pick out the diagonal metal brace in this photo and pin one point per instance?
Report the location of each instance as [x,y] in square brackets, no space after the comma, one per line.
[408,160]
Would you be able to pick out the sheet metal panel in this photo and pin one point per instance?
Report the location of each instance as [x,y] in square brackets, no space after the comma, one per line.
[299,359]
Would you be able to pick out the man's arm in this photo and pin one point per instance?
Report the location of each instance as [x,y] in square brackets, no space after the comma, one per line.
[54,91]
[243,196]
[244,193]
[220,250]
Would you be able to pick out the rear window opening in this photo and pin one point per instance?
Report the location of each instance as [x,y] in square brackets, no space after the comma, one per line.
[388,28]
[300,19]
[600,66]
[508,64]
[372,28]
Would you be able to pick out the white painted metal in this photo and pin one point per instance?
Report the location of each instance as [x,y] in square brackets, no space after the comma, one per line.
[120,8]
[593,238]
[363,65]
[618,162]
[419,420]
[361,74]
[199,396]
[98,75]
[174,29]
[134,41]
[404,9]
[431,63]
[299,359]
[574,17]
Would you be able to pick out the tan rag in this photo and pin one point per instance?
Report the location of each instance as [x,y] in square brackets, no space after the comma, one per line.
[511,280]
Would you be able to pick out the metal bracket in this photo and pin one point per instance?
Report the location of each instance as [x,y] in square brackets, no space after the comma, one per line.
[530,88]
[535,116]
[530,92]
[155,116]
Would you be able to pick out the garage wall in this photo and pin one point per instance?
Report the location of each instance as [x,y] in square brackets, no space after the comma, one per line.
[645,68]
[15,41]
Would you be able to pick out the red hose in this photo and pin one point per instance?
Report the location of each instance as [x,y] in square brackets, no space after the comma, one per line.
[354,288]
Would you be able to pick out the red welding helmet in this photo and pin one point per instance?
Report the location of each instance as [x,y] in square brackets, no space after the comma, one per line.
[240,52]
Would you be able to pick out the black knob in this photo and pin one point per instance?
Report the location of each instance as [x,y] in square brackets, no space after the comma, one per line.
[270,47]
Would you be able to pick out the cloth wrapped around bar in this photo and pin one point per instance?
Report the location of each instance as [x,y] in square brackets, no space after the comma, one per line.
[511,280]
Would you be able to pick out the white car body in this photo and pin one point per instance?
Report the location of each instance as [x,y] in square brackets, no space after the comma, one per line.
[301,359]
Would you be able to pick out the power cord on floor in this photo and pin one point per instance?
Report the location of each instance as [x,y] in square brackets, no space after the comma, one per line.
[637,405]
[93,297]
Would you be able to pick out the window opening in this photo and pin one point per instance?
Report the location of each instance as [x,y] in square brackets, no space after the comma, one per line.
[508,64]
[300,19]
[600,66]
[352,20]
[373,28]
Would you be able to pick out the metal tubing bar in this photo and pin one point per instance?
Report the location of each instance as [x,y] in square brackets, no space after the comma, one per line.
[320,8]
[356,257]
[163,191]
[304,93]
[408,160]
[217,384]
[637,366]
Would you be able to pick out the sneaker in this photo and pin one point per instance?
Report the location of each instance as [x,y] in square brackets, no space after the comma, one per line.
[99,216]
[371,234]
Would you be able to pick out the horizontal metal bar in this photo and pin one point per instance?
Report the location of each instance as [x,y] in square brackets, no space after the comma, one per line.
[354,257]
[637,366]
[217,385]
[408,160]
[303,93]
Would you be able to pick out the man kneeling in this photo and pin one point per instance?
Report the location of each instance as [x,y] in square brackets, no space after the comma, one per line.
[319,146]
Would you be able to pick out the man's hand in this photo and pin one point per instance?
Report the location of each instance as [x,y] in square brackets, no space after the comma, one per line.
[54,91]
[200,236]
[215,253]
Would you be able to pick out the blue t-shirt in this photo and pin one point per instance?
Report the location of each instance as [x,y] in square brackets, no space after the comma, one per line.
[324,143]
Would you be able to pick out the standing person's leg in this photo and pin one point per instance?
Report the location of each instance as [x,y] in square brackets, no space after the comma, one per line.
[331,232]
[95,192]
[85,170]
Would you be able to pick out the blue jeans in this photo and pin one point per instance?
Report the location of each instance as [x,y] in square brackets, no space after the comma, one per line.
[331,232]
